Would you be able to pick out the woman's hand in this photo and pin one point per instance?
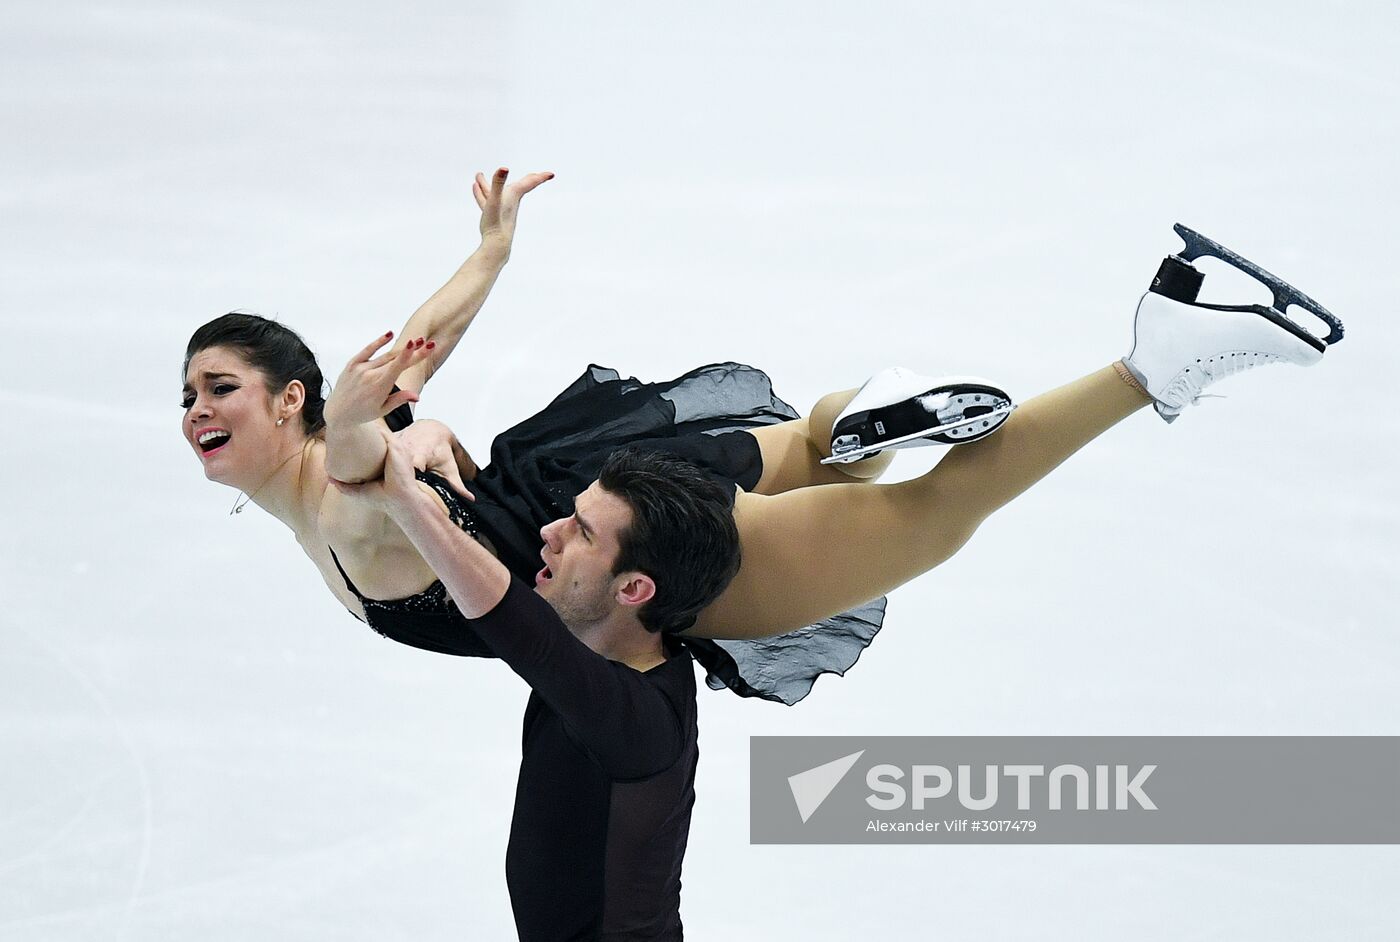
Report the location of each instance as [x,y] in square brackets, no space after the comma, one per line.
[365,390]
[500,204]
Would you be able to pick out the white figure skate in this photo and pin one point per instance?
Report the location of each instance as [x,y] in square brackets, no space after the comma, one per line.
[1181,346]
[897,408]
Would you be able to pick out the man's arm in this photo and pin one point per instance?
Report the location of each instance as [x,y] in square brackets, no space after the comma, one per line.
[624,721]
[476,580]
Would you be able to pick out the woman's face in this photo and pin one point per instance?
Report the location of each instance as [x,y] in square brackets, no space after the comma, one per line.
[230,418]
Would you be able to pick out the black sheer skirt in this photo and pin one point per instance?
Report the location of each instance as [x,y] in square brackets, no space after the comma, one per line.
[538,467]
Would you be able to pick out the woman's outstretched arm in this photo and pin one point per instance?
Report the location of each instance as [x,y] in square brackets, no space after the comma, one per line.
[445,317]
[355,436]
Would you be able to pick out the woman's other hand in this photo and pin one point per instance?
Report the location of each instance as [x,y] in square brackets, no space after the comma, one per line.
[500,204]
[365,390]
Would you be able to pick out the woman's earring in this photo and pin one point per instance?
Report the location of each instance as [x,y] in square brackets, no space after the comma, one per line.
[280,421]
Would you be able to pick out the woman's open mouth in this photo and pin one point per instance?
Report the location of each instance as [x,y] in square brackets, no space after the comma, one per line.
[212,439]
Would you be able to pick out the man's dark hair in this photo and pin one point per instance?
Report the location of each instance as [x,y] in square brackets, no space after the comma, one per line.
[272,348]
[682,533]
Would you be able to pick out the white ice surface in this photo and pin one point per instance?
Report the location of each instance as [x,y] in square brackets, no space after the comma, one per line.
[195,743]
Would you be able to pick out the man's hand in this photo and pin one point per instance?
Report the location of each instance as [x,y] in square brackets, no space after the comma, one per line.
[399,491]
[500,204]
[364,391]
[432,447]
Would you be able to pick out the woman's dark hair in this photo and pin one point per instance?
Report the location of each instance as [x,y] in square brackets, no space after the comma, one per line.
[682,533]
[277,351]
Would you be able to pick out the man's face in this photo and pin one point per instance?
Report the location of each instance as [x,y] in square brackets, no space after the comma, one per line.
[579,553]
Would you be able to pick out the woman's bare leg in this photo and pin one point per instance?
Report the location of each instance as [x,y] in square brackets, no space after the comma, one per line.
[815,551]
[792,451]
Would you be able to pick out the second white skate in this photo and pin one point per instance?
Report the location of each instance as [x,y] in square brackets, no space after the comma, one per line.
[898,408]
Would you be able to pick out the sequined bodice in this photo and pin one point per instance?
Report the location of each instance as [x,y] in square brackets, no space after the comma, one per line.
[427,619]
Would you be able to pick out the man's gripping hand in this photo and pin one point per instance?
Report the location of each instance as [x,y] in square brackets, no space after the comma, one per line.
[433,447]
[398,493]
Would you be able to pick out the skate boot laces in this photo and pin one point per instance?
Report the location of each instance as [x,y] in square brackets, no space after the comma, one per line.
[1185,388]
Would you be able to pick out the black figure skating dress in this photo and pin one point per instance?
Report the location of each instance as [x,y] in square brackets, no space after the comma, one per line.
[539,466]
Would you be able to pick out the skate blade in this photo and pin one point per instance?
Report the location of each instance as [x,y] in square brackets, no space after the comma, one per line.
[952,433]
[1285,294]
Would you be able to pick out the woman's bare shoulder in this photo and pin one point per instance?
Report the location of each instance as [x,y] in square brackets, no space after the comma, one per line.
[318,497]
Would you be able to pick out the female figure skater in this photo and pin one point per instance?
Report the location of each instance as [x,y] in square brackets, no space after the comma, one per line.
[255,416]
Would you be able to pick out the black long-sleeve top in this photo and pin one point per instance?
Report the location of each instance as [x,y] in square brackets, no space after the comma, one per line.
[607,782]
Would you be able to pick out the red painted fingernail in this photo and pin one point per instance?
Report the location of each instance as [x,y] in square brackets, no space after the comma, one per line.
[389,334]
[431,344]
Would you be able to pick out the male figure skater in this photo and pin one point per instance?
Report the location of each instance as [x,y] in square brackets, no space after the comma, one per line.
[606,787]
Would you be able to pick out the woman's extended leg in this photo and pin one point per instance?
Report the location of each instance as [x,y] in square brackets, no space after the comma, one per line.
[815,551]
[792,451]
